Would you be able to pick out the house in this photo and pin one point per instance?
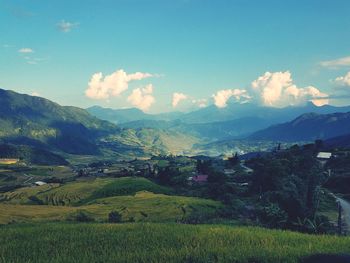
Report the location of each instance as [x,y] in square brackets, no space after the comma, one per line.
[324,155]
[39,183]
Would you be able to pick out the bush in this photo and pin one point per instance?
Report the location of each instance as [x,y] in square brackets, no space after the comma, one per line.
[35,200]
[273,216]
[318,225]
[114,217]
[81,216]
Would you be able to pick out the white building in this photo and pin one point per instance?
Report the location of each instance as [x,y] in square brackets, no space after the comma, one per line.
[324,155]
[39,183]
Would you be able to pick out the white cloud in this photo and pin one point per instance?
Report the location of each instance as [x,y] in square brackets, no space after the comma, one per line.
[104,87]
[276,89]
[336,63]
[177,97]
[142,98]
[26,50]
[66,26]
[201,103]
[222,96]
[344,80]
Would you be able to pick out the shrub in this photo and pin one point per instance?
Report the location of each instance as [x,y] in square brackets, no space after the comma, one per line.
[273,216]
[81,216]
[114,217]
[35,200]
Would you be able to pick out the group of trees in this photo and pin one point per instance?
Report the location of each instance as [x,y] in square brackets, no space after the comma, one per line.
[288,186]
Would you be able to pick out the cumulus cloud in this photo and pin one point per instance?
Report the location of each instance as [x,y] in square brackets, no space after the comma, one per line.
[177,97]
[66,26]
[201,103]
[343,81]
[142,98]
[276,89]
[104,87]
[26,50]
[336,63]
[222,96]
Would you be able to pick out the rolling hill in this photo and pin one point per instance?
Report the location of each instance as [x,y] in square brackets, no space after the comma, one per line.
[81,192]
[139,198]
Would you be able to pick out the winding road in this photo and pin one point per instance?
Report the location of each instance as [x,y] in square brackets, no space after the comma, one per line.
[345,205]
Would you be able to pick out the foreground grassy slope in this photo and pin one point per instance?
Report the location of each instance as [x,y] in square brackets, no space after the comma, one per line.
[159,243]
[142,207]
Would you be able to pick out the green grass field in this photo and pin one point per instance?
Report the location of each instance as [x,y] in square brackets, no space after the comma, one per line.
[159,243]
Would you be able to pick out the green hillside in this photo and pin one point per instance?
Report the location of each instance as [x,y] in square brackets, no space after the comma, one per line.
[82,191]
[172,243]
[141,207]
[39,122]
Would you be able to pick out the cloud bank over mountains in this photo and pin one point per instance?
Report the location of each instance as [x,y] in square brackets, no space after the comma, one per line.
[278,90]
[272,89]
[222,96]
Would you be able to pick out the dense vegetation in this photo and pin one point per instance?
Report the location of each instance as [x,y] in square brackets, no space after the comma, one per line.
[339,167]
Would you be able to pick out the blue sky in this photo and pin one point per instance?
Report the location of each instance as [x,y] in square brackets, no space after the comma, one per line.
[195,48]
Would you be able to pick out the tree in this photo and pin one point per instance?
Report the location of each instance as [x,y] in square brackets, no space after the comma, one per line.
[114,217]
[204,166]
[233,161]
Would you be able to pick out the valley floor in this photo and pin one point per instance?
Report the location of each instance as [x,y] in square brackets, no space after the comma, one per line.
[151,242]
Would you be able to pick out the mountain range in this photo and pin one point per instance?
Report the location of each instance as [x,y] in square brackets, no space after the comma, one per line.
[309,126]
[39,126]
[236,121]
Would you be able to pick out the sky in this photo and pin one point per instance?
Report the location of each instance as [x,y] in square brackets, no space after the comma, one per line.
[177,55]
